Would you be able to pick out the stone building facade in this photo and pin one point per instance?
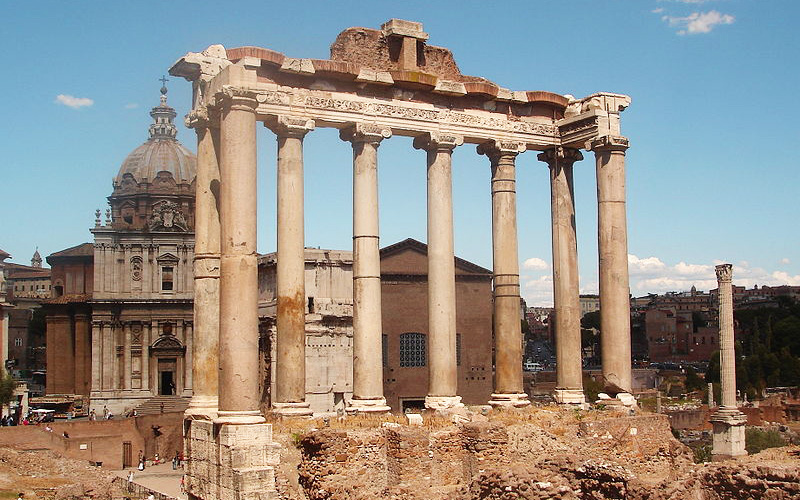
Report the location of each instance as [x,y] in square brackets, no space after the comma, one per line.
[142,291]
[404,284]
[119,322]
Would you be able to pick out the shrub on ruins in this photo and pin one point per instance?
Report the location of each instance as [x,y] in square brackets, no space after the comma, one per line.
[759,439]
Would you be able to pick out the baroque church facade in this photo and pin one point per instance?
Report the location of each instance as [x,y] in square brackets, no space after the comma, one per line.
[140,295]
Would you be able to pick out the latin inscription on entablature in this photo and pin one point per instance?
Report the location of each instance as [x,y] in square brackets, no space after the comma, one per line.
[378,109]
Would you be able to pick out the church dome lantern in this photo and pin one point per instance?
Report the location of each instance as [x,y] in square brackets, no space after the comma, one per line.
[161,172]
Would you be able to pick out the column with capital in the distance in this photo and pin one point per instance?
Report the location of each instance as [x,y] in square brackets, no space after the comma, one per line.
[729,423]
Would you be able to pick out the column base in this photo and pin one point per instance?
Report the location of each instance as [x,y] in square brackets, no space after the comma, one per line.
[239,417]
[622,401]
[236,463]
[728,440]
[511,400]
[201,408]
[377,405]
[569,396]
[284,410]
[443,402]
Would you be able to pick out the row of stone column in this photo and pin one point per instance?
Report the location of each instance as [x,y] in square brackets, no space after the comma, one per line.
[226,258]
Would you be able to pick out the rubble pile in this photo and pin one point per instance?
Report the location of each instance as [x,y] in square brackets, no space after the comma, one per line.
[532,454]
[43,474]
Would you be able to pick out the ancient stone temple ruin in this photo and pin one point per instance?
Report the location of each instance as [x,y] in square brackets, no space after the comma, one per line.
[377,83]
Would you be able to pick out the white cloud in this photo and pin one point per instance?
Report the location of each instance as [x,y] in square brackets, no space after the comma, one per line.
[72,101]
[637,266]
[539,291]
[535,264]
[131,105]
[658,10]
[698,22]
[785,261]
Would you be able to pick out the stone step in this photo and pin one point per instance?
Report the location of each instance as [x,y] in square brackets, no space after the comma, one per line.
[163,404]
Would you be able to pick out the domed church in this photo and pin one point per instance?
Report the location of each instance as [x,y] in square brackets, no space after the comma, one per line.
[142,287]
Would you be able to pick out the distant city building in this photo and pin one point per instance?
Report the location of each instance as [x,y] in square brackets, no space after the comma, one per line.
[589,303]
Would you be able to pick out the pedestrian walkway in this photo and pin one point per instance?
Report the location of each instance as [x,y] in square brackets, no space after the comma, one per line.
[159,478]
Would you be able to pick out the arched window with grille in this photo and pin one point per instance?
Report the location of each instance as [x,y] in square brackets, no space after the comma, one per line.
[413,349]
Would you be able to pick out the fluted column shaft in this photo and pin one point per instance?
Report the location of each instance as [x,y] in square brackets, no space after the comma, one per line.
[566,288]
[290,379]
[367,329]
[205,340]
[238,286]
[726,337]
[442,370]
[507,327]
[612,230]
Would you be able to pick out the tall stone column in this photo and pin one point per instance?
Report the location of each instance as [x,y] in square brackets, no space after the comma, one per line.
[612,230]
[238,282]
[566,289]
[442,370]
[97,359]
[367,330]
[205,340]
[508,387]
[83,359]
[290,376]
[127,362]
[728,422]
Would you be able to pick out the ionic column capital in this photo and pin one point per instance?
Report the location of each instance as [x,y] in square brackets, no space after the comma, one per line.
[438,141]
[237,99]
[560,154]
[289,126]
[724,273]
[496,149]
[609,143]
[365,132]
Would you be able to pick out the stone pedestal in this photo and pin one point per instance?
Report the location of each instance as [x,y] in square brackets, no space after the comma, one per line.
[509,400]
[231,462]
[295,409]
[729,436]
[443,402]
[569,396]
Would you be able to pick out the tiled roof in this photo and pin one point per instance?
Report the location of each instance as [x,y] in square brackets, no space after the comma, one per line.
[69,298]
[82,250]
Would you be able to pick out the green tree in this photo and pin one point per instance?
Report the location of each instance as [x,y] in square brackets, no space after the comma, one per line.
[693,381]
[7,386]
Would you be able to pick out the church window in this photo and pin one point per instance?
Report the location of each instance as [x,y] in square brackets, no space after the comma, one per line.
[385,349]
[413,349]
[166,277]
[18,342]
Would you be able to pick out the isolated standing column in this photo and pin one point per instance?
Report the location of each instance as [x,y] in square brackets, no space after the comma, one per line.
[238,287]
[367,331]
[442,370]
[290,378]
[508,387]
[566,288]
[612,230]
[205,340]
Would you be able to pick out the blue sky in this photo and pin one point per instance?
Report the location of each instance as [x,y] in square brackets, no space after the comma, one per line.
[712,174]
